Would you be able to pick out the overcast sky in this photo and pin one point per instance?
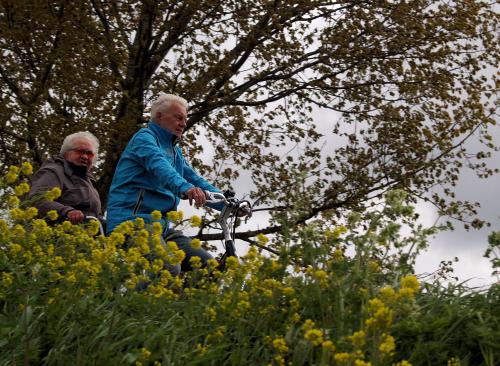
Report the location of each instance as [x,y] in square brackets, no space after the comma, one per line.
[468,246]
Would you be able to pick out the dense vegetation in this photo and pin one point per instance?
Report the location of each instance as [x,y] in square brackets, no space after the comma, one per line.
[345,294]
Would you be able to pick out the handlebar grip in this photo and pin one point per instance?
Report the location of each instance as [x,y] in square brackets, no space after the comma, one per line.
[229,193]
[210,196]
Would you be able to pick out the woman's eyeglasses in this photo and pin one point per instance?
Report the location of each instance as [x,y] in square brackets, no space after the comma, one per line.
[89,153]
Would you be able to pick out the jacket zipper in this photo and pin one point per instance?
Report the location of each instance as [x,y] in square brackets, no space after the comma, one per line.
[138,203]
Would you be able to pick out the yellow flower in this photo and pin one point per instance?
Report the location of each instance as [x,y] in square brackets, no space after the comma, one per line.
[26,168]
[387,294]
[315,336]
[210,313]
[145,353]
[58,262]
[338,255]
[156,215]
[219,332]
[411,283]
[362,363]
[262,239]
[212,263]
[336,232]
[358,338]
[195,221]
[232,262]
[388,345]
[56,192]
[375,304]
[406,363]
[172,246]
[201,349]
[7,279]
[17,214]
[18,231]
[280,361]
[53,194]
[173,216]
[342,357]
[374,266]
[157,227]
[11,177]
[195,262]
[139,223]
[21,189]
[308,324]
[125,228]
[14,201]
[116,239]
[93,227]
[406,293]
[132,282]
[382,318]
[453,361]
[320,275]
[195,243]
[274,265]
[280,345]
[178,257]
[50,249]
[12,174]
[30,213]
[14,249]
[328,346]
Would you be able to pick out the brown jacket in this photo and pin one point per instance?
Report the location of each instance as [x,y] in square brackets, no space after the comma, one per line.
[77,193]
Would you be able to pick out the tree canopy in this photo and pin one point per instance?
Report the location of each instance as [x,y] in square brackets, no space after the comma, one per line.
[399,85]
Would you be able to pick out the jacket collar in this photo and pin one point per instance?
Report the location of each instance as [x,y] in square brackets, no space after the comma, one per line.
[68,170]
[165,136]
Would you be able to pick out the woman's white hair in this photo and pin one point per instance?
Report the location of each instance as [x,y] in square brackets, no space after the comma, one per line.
[163,102]
[69,141]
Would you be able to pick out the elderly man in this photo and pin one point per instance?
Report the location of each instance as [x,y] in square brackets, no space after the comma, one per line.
[152,174]
[70,171]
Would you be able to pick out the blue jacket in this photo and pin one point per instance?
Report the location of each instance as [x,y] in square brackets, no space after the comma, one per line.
[151,175]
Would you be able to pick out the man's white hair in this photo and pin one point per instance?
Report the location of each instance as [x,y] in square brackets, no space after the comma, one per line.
[163,102]
[69,141]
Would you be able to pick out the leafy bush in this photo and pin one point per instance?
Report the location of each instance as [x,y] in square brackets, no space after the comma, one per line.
[337,295]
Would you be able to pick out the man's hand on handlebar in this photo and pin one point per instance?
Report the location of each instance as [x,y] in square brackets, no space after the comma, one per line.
[197,195]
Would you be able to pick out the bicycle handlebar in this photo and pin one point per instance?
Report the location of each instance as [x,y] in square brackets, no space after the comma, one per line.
[242,206]
[232,209]
[216,197]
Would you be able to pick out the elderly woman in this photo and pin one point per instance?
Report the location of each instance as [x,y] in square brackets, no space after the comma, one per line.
[70,171]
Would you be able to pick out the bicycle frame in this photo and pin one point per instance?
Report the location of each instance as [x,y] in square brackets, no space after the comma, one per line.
[232,207]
